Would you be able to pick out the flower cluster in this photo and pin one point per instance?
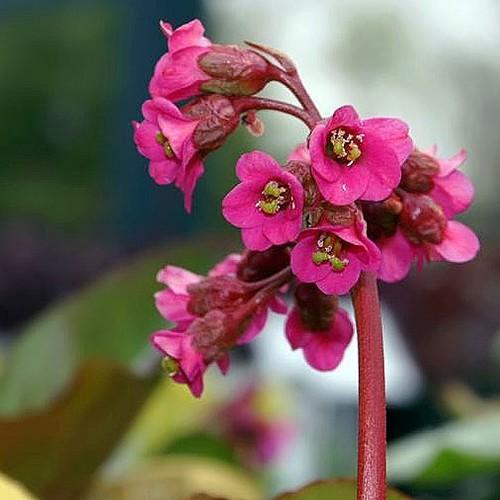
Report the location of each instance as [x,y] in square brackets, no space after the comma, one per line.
[356,197]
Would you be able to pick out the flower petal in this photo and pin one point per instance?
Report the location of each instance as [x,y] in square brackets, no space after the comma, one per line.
[460,243]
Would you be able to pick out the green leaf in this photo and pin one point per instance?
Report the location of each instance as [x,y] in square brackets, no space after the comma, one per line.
[111,319]
[55,452]
[338,489]
[449,453]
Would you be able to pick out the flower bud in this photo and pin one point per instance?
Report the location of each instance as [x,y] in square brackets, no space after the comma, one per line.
[215,333]
[382,217]
[235,71]
[218,292]
[316,308]
[418,172]
[422,219]
[256,266]
[217,119]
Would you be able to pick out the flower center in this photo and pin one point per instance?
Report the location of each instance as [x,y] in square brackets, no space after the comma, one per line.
[275,197]
[167,148]
[344,146]
[329,249]
[170,366]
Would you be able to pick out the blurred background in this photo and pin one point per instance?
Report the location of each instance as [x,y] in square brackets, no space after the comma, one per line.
[83,230]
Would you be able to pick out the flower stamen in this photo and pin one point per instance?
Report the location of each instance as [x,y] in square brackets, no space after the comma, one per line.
[329,249]
[275,197]
[344,146]
[167,148]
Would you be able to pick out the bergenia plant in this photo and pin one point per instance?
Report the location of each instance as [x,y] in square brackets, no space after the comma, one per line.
[357,201]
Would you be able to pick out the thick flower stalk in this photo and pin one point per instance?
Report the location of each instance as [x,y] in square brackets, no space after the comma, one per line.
[355,202]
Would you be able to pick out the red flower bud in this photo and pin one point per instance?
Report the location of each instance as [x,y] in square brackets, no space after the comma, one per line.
[235,71]
[317,309]
[256,266]
[217,119]
[422,219]
[418,172]
[382,217]
[219,292]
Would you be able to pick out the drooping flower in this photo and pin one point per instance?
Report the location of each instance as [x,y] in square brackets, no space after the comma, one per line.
[194,65]
[176,141]
[333,256]
[414,224]
[424,233]
[323,350]
[358,159]
[182,362]
[319,327]
[268,203]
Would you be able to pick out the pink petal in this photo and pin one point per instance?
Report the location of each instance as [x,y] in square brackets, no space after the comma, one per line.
[223,364]
[325,350]
[254,239]
[454,193]
[145,140]
[345,116]
[163,172]
[300,153]
[322,165]
[257,165]
[173,307]
[397,256]
[177,130]
[460,243]
[194,171]
[383,169]
[302,264]
[393,132]
[229,265]
[256,326]
[169,342]
[279,230]
[451,164]
[348,187]
[278,305]
[177,278]
[339,283]
[238,206]
[187,35]
[296,334]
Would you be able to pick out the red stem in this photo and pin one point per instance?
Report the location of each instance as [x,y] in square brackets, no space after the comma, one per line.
[255,103]
[294,83]
[372,411]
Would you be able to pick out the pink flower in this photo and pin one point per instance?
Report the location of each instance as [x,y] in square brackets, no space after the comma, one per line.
[358,159]
[432,192]
[333,256]
[424,234]
[182,362]
[268,203]
[165,137]
[323,349]
[452,190]
[300,153]
[193,65]
[176,141]
[177,74]
[172,302]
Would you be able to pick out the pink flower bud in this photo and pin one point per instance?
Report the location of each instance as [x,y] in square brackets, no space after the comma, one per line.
[418,172]
[234,70]
[422,220]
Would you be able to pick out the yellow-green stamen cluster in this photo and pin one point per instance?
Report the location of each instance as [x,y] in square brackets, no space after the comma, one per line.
[274,197]
[345,146]
[167,148]
[170,366]
[329,248]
